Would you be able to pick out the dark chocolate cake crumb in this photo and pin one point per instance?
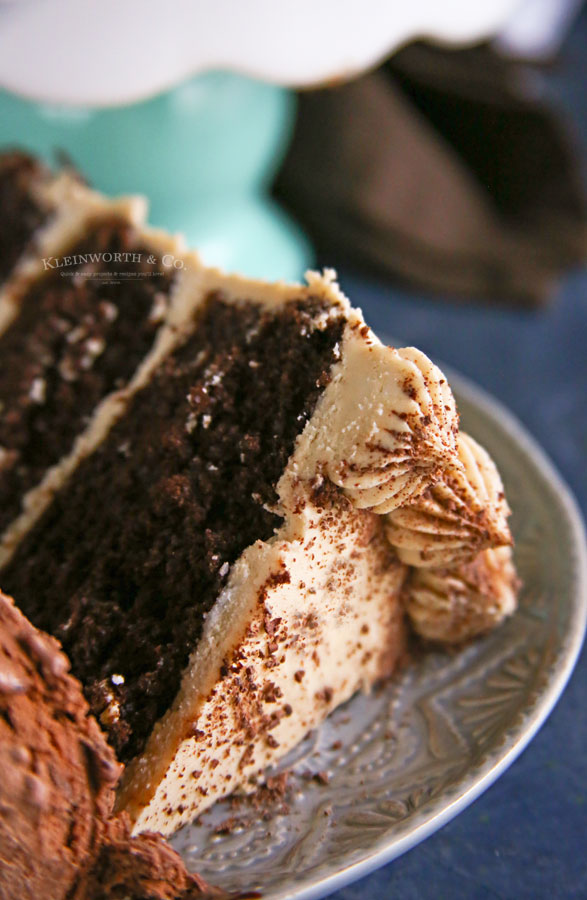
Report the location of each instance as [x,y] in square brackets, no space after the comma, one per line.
[22,210]
[77,337]
[130,556]
[230,825]
[321,777]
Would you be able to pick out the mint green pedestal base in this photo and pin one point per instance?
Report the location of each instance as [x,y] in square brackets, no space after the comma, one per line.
[203,153]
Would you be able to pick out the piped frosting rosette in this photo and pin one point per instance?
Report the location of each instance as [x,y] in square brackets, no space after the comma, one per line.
[454,604]
[464,512]
[412,443]
[386,425]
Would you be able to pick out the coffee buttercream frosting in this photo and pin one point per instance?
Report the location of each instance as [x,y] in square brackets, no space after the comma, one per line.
[454,604]
[385,427]
[464,512]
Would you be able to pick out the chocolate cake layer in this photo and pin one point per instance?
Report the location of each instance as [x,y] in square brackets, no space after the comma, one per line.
[22,211]
[135,549]
[81,332]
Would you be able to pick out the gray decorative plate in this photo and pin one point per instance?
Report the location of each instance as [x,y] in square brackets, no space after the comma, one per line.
[419,751]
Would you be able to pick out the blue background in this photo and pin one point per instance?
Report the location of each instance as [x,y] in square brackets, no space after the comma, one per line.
[526,837]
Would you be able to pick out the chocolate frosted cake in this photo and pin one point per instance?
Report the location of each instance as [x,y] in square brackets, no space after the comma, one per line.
[59,839]
[227,551]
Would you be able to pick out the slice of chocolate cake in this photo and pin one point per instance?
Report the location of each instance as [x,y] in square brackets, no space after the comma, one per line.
[202,479]
[207,567]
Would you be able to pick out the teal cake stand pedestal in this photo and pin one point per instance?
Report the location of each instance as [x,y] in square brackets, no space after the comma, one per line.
[203,153]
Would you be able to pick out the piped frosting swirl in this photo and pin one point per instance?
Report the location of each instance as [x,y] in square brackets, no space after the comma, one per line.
[455,518]
[454,604]
[385,427]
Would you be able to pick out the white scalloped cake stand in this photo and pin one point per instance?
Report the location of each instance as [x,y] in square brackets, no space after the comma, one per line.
[118,51]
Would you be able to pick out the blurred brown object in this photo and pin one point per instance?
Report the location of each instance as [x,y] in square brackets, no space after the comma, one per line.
[443,168]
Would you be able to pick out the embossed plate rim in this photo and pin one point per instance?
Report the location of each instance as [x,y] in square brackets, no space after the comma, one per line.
[435,813]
